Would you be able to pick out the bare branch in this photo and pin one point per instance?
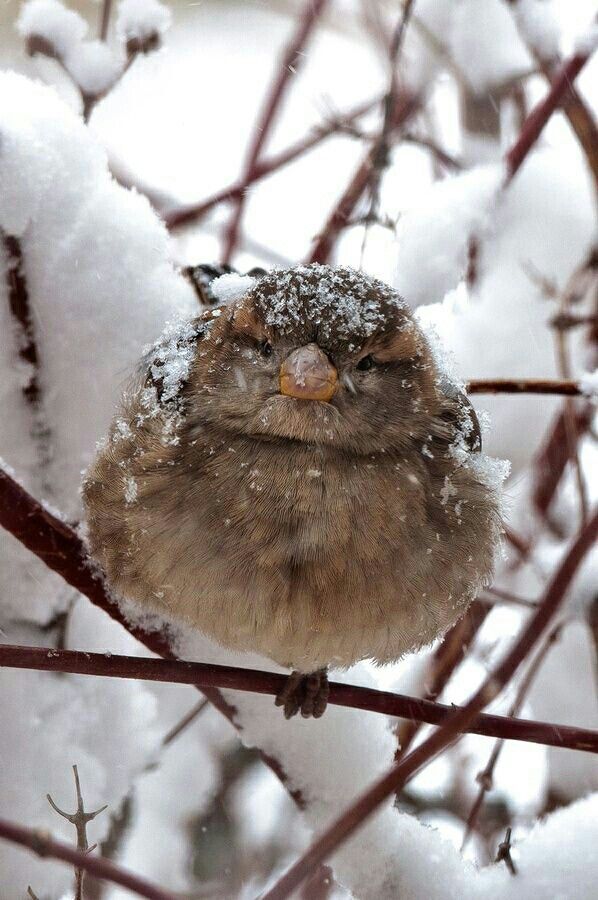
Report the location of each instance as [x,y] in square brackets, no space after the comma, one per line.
[342,214]
[262,168]
[533,126]
[291,61]
[559,386]
[209,676]
[41,843]
[80,819]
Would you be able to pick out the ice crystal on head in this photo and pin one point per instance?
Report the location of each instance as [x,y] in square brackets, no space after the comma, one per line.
[333,304]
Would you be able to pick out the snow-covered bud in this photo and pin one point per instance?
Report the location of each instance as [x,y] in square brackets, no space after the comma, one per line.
[141,25]
[50,28]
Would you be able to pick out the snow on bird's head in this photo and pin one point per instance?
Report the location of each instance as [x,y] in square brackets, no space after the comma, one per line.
[329,305]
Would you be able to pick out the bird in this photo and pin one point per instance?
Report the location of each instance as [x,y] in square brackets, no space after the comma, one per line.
[293,474]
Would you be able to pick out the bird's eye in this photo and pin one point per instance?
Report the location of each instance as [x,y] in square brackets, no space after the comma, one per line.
[265,348]
[367,362]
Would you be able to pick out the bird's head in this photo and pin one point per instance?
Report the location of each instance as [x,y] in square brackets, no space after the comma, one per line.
[317,355]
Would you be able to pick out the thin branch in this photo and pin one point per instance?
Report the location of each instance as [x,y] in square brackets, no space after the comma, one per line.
[196,211]
[41,843]
[184,723]
[61,549]
[292,58]
[578,113]
[450,653]
[406,106]
[382,145]
[20,308]
[552,458]
[329,840]
[209,676]
[533,126]
[485,777]
[561,386]
[105,19]
[80,819]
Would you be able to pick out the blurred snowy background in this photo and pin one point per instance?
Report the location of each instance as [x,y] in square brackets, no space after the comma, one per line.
[490,269]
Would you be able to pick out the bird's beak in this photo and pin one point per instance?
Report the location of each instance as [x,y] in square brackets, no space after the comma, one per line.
[308,374]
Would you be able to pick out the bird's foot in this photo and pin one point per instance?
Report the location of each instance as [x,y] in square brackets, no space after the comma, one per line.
[307,694]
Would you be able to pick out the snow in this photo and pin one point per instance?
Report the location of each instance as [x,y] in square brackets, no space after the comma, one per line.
[588,384]
[352,301]
[520,243]
[62,28]
[106,728]
[230,287]
[538,26]
[141,19]
[102,287]
[107,258]
[94,67]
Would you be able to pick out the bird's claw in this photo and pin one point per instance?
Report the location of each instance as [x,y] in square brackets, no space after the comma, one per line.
[303,693]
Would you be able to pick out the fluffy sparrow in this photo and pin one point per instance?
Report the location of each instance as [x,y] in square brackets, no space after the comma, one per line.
[291,475]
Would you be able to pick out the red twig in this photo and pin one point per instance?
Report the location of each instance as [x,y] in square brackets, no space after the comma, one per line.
[485,777]
[196,211]
[449,655]
[339,831]
[342,214]
[579,114]
[532,127]
[561,386]
[43,844]
[553,456]
[206,676]
[289,65]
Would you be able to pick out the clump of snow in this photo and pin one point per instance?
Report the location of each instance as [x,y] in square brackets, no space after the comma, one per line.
[62,28]
[501,327]
[94,67]
[588,384]
[140,19]
[433,237]
[231,286]
[172,356]
[538,26]
[105,256]
[484,43]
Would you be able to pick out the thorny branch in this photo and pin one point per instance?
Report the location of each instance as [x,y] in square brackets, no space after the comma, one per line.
[364,806]
[80,819]
[41,843]
[289,65]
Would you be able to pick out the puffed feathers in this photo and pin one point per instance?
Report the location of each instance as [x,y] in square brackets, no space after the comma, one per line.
[313,533]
